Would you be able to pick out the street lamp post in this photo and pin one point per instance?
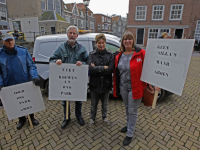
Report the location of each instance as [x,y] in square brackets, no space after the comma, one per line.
[86,3]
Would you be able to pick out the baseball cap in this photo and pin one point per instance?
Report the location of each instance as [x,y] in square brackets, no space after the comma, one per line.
[7,36]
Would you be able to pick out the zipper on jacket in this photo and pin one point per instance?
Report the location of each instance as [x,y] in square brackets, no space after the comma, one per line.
[21,64]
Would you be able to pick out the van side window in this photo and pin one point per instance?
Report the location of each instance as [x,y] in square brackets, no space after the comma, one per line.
[47,49]
[109,46]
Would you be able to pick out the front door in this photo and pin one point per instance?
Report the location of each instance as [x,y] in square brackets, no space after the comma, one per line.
[53,30]
[178,34]
[140,35]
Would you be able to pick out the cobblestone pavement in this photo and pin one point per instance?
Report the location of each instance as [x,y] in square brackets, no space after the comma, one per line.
[174,124]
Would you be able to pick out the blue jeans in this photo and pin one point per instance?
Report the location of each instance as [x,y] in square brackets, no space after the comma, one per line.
[95,100]
[78,105]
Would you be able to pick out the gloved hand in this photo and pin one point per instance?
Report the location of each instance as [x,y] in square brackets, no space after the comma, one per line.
[36,81]
[1,86]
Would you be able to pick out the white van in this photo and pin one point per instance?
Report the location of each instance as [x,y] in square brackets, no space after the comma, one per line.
[45,47]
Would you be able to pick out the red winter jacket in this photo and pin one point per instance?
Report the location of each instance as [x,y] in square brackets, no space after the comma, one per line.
[136,64]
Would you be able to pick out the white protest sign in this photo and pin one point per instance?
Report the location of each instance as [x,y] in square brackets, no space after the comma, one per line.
[22,99]
[166,63]
[68,82]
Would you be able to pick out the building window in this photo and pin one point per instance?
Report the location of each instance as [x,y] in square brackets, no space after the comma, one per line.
[65,6]
[119,29]
[63,30]
[158,12]
[58,6]
[102,18]
[17,25]
[176,12]
[102,26]
[197,31]
[99,26]
[91,25]
[67,18]
[156,33]
[50,4]
[43,5]
[42,30]
[3,1]
[81,13]
[140,13]
[91,14]
[81,25]
[75,22]
[3,13]
[106,27]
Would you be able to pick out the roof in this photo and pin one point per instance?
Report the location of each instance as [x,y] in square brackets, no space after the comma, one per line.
[80,7]
[116,18]
[51,15]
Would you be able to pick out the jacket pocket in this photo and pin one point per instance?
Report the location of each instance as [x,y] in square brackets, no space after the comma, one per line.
[3,64]
[65,60]
[22,61]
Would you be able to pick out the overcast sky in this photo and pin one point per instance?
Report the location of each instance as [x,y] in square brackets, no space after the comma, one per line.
[118,7]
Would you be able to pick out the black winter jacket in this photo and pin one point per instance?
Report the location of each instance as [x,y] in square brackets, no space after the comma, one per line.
[100,78]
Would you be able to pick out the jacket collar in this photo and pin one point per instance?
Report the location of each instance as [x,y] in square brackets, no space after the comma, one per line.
[14,52]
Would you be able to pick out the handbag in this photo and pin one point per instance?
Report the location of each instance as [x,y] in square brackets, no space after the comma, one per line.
[148,95]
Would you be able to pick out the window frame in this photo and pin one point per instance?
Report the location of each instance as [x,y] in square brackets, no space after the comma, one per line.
[2,2]
[102,18]
[44,5]
[195,35]
[99,25]
[180,14]
[159,32]
[145,13]
[3,12]
[59,6]
[163,11]
[48,4]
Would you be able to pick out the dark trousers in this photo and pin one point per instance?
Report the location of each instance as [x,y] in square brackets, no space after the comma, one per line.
[23,118]
[95,100]
[78,105]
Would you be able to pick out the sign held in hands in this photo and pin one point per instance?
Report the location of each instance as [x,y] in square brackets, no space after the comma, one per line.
[22,99]
[68,82]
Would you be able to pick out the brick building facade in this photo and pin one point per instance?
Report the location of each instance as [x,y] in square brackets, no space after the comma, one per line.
[149,18]
[103,23]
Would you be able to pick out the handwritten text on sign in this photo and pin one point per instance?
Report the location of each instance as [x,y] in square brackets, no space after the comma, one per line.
[166,63]
[22,99]
[68,82]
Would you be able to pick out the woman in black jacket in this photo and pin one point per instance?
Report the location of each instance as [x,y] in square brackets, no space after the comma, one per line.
[101,65]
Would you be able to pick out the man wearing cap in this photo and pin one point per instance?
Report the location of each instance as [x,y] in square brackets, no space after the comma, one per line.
[16,67]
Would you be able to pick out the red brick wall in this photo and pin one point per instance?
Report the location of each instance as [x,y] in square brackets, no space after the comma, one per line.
[191,13]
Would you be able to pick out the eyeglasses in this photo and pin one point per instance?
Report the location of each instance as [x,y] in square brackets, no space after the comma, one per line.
[127,39]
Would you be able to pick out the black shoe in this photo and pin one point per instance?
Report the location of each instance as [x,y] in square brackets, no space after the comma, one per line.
[34,122]
[127,141]
[21,123]
[81,121]
[65,123]
[124,129]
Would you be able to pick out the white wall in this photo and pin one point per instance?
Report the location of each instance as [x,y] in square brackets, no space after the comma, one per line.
[27,25]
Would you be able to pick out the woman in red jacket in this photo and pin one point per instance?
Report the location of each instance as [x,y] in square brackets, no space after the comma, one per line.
[127,73]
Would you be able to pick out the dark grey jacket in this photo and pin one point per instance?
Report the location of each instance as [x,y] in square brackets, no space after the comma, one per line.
[100,78]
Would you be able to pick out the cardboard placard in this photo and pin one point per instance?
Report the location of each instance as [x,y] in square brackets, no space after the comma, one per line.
[166,63]
[68,82]
[21,99]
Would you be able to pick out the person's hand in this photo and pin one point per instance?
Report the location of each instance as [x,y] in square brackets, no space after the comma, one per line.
[92,64]
[36,81]
[105,67]
[1,86]
[59,62]
[157,88]
[78,63]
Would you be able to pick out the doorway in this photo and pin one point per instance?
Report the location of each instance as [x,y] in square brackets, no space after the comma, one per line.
[53,30]
[178,34]
[140,35]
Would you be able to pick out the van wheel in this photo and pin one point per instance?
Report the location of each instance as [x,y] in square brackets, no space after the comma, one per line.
[161,95]
[47,86]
